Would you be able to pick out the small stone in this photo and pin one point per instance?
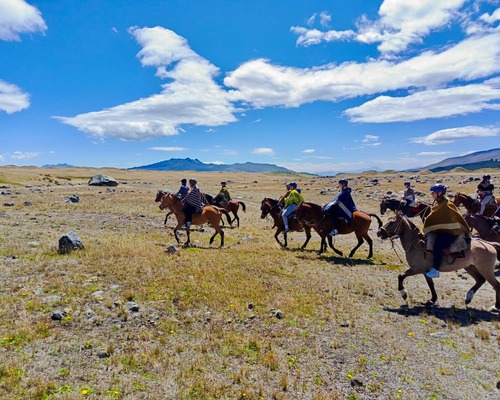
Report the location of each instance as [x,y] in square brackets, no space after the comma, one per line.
[58,315]
[356,383]
[103,354]
[133,306]
[251,306]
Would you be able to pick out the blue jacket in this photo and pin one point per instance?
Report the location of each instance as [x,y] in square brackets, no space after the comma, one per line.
[344,204]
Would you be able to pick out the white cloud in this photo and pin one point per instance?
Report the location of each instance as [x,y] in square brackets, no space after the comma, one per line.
[263,151]
[429,104]
[2,158]
[12,98]
[451,135]
[491,18]
[168,148]
[400,24]
[20,155]
[433,153]
[309,151]
[262,84]
[191,98]
[17,17]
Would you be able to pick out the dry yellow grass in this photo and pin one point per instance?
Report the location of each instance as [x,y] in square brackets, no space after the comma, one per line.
[207,325]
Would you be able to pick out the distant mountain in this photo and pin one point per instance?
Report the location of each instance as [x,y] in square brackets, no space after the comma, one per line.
[473,161]
[64,165]
[188,164]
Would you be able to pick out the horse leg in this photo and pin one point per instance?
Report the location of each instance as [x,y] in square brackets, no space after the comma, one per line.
[278,231]
[237,219]
[480,279]
[308,237]
[411,272]
[188,235]
[221,233]
[330,242]
[175,233]
[360,242]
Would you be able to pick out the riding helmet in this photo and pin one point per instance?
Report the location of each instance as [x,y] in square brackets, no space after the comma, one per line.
[407,183]
[192,180]
[438,188]
[292,184]
[343,182]
[223,183]
[184,181]
[486,177]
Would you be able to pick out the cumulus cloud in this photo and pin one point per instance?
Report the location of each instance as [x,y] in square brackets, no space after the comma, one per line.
[451,135]
[400,23]
[429,104]
[192,97]
[20,155]
[263,84]
[309,151]
[12,98]
[17,17]
[263,151]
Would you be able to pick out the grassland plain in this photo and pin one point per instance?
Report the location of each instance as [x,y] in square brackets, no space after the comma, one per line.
[248,321]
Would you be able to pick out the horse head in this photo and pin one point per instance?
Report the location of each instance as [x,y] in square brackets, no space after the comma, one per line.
[392,228]
[167,200]
[383,206]
[265,207]
[159,195]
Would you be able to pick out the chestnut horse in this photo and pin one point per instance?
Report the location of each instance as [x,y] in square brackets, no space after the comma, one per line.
[422,209]
[473,205]
[208,200]
[311,214]
[232,206]
[273,208]
[479,261]
[209,214]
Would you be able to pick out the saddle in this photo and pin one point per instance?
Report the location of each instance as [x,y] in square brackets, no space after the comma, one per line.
[457,248]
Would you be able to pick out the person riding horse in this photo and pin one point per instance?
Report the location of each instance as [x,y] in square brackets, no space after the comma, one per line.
[292,200]
[409,195]
[183,190]
[445,223]
[341,207]
[223,196]
[192,203]
[485,193]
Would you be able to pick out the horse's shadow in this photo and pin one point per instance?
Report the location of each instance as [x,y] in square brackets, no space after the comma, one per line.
[346,261]
[462,316]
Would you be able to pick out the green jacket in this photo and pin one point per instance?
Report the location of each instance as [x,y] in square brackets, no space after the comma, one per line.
[224,192]
[293,197]
[444,217]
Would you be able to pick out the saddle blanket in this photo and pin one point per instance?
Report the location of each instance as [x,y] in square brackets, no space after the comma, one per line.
[461,243]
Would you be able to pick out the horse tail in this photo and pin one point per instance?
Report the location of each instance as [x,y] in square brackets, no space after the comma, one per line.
[243,206]
[224,211]
[378,220]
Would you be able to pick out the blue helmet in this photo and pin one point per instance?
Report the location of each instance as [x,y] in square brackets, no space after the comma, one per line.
[343,182]
[292,184]
[407,183]
[439,188]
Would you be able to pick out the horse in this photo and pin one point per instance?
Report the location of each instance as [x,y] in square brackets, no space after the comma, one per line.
[473,205]
[422,209]
[311,214]
[273,208]
[479,261]
[209,214]
[208,200]
[483,226]
[233,206]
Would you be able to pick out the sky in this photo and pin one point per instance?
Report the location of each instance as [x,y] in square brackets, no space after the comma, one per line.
[314,86]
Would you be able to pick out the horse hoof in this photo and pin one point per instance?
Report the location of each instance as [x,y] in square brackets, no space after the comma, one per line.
[429,304]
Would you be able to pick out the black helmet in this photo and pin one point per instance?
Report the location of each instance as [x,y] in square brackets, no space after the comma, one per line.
[407,183]
[292,184]
[439,188]
[223,183]
[183,181]
[343,182]
[486,177]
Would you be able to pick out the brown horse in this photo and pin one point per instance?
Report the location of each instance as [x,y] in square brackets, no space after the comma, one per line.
[311,214]
[207,199]
[479,261]
[232,206]
[209,214]
[273,208]
[483,227]
[473,205]
[422,209]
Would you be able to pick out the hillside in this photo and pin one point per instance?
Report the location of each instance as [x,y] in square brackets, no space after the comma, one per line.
[188,164]
[477,158]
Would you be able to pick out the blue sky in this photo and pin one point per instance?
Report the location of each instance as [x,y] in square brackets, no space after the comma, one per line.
[314,86]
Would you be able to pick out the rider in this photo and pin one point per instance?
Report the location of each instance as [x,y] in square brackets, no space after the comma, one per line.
[485,193]
[496,218]
[409,195]
[446,222]
[292,200]
[191,203]
[341,206]
[183,190]
[223,196]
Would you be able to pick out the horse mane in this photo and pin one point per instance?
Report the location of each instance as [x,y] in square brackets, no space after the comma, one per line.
[313,205]
[272,201]
[414,227]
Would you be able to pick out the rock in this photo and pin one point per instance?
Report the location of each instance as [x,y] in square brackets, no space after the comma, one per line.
[9,204]
[58,315]
[172,249]
[74,198]
[103,354]
[28,203]
[69,242]
[102,180]
[133,306]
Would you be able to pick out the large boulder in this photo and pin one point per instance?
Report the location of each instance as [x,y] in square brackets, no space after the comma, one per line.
[102,180]
[69,242]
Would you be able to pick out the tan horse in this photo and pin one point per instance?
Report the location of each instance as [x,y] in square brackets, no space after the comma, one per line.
[479,261]
[209,214]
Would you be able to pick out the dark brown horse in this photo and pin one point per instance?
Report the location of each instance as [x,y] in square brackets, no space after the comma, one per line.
[207,200]
[209,214]
[473,205]
[232,206]
[483,225]
[422,209]
[479,261]
[311,214]
[273,208]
